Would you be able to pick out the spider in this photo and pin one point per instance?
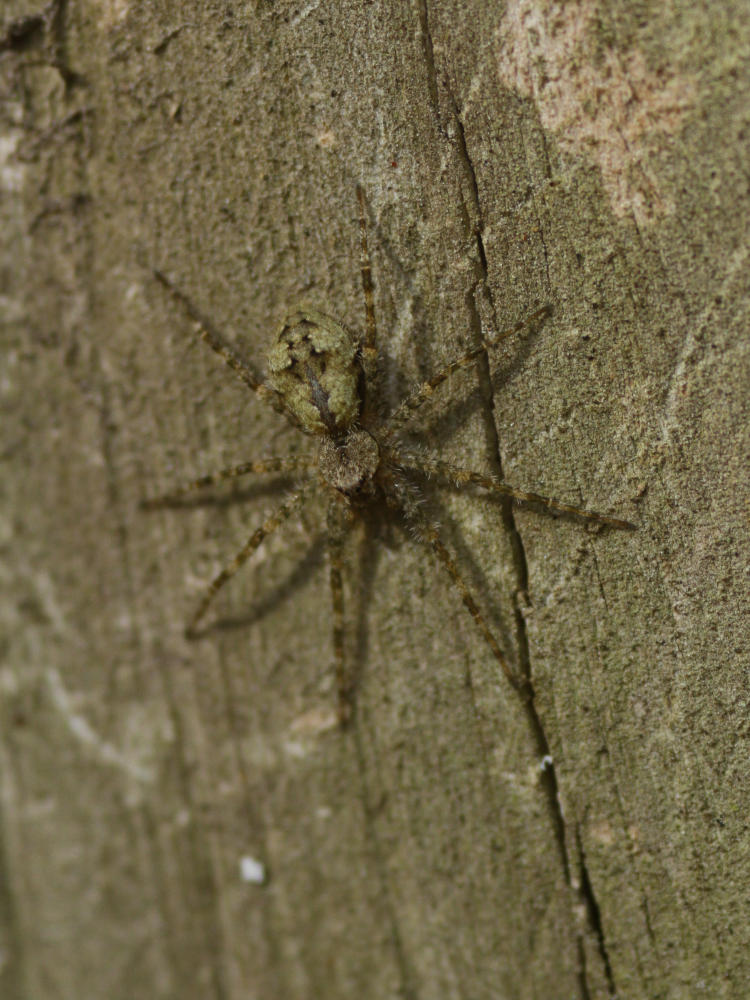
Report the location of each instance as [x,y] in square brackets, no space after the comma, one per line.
[324,380]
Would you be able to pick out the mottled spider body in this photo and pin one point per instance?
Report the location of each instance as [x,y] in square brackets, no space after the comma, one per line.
[315,367]
[324,380]
[351,465]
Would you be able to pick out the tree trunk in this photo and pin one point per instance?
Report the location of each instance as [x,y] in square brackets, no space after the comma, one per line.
[185,818]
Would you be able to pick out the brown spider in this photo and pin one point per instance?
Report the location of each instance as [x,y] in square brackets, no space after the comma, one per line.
[323,379]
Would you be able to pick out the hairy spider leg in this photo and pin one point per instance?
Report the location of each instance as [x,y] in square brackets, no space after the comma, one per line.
[266,466]
[338,521]
[279,516]
[409,406]
[462,477]
[214,340]
[428,533]
[369,344]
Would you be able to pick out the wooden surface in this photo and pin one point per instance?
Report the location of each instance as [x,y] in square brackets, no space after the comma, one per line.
[589,156]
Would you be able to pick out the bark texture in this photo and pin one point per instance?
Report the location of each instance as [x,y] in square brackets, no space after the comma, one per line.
[184,819]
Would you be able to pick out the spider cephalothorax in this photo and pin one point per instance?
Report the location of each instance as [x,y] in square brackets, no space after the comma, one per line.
[350,465]
[324,380]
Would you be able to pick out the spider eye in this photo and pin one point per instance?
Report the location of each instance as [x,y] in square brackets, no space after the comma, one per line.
[314,364]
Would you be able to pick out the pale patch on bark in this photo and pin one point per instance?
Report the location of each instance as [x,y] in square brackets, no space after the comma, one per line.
[605,104]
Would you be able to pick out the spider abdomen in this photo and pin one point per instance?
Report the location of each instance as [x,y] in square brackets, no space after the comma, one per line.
[314,365]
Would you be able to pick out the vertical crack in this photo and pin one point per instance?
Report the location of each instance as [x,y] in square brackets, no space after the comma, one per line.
[580,883]
[473,221]
[429,58]
[593,913]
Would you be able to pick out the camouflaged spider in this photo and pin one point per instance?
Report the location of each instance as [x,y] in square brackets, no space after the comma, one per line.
[323,379]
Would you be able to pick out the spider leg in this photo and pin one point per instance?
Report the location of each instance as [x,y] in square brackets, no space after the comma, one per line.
[267,466]
[411,404]
[209,334]
[271,523]
[463,477]
[430,534]
[369,345]
[337,525]
[520,325]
